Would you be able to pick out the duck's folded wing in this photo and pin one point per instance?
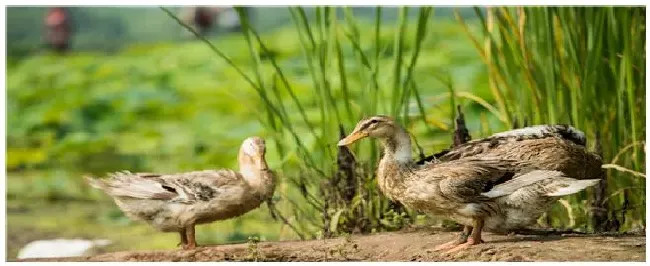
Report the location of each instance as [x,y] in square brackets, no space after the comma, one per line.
[546,183]
[205,185]
[464,180]
[187,188]
[565,132]
[479,146]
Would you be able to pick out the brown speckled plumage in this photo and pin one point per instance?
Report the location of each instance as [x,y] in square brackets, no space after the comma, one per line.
[548,153]
[178,202]
[498,184]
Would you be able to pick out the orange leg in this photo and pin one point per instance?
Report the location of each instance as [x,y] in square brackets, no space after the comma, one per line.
[183,238]
[462,238]
[191,240]
[473,239]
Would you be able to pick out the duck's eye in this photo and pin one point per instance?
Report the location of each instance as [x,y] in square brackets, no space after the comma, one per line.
[370,123]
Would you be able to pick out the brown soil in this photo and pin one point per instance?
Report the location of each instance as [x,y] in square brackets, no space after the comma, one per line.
[405,246]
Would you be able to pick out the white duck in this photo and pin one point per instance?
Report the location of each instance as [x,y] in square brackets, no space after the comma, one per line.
[178,202]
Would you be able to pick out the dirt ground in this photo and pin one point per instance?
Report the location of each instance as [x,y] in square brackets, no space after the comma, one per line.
[405,246]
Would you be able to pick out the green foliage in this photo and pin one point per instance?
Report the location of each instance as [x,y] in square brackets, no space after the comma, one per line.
[94,113]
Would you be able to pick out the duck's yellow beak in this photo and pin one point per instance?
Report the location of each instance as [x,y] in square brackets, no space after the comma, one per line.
[354,136]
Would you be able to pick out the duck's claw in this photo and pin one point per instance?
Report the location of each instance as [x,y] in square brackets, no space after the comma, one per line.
[189,246]
[463,246]
[462,238]
[448,245]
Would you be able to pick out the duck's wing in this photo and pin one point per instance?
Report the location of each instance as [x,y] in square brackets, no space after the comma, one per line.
[464,180]
[540,183]
[474,180]
[206,185]
[565,132]
[479,146]
[186,187]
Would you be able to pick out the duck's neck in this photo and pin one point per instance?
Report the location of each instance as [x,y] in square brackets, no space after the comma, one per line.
[398,147]
[258,176]
[394,164]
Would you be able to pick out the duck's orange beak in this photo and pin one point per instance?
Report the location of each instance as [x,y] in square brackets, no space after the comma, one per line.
[354,136]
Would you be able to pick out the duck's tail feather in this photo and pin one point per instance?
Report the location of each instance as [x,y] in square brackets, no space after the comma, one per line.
[125,184]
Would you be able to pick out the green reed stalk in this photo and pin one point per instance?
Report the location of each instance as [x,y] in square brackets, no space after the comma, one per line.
[398,54]
[574,65]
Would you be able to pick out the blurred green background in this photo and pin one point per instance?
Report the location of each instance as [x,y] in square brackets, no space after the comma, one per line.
[138,92]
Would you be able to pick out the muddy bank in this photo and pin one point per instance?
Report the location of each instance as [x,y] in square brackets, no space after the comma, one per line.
[404,246]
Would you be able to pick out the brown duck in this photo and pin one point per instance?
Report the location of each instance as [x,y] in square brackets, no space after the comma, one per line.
[498,184]
[178,202]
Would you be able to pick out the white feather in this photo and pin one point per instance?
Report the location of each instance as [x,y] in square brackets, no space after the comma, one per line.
[527,131]
[542,130]
[573,187]
[403,152]
[248,147]
[521,181]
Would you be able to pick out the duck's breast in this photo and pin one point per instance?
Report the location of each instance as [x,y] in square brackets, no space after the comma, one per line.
[426,196]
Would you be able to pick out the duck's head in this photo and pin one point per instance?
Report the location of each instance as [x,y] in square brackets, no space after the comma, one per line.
[378,126]
[252,151]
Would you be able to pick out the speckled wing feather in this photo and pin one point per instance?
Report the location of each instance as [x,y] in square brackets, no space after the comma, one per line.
[186,187]
[484,145]
[134,185]
[202,185]
[464,180]
[522,180]
[544,131]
